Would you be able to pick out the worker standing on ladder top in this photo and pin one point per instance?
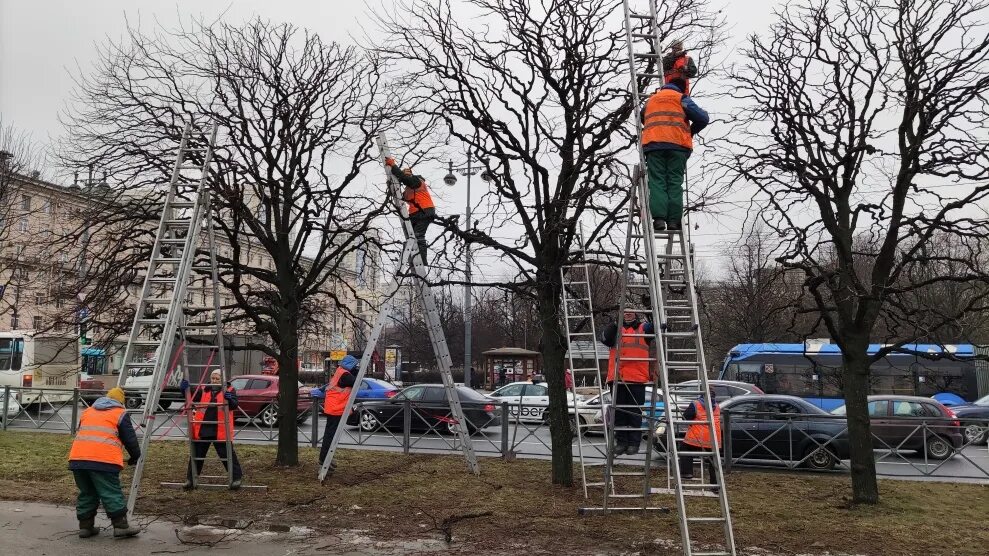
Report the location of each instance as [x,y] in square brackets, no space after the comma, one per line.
[678,65]
[634,373]
[699,434]
[422,211]
[210,426]
[336,393]
[670,119]
[96,459]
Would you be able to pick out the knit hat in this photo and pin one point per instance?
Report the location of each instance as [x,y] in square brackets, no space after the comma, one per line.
[116,394]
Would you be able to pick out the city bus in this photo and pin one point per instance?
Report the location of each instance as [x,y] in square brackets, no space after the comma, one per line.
[813,371]
[48,363]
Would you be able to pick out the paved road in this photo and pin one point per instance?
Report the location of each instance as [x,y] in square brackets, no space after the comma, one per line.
[527,440]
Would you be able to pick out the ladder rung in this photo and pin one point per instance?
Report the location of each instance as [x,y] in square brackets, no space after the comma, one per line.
[187,222]
[582,334]
[628,474]
[142,364]
[722,553]
[651,76]
[168,260]
[694,486]
[647,55]
[627,496]
[182,204]
[705,520]
[159,301]
[693,453]
[679,334]
[146,342]
[640,16]
[151,322]
[190,167]
[643,36]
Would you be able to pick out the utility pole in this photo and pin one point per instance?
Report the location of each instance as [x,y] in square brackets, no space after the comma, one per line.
[451,179]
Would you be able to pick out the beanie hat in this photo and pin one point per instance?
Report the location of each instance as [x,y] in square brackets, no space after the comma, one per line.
[349,362]
[116,394]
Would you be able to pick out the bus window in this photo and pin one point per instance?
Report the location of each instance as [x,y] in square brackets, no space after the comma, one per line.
[11,354]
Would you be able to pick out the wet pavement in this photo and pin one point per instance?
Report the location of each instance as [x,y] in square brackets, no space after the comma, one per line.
[47,529]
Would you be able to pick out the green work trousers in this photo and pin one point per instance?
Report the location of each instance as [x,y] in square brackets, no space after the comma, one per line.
[666,171]
[97,486]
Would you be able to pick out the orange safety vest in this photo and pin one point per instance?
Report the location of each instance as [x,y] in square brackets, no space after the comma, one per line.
[418,198]
[679,70]
[336,397]
[98,439]
[631,347]
[200,414]
[665,121]
[698,434]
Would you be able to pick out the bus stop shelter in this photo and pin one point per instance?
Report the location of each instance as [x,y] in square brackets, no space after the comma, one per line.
[518,364]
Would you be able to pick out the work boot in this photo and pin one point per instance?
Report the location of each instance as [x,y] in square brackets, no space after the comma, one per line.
[658,225]
[619,450]
[675,226]
[187,485]
[121,529]
[235,485]
[88,528]
[632,449]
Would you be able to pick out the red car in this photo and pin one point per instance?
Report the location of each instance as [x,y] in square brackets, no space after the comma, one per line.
[257,396]
[90,389]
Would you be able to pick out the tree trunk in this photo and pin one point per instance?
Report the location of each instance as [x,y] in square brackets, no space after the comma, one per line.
[855,383]
[288,395]
[554,350]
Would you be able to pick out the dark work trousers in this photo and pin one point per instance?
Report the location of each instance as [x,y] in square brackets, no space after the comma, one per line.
[421,220]
[332,422]
[666,174]
[201,448]
[687,462]
[629,394]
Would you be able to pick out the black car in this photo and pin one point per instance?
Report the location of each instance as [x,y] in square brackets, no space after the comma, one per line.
[784,429]
[429,409]
[975,420]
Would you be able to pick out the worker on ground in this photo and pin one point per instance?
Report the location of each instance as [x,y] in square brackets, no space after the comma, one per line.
[678,65]
[670,119]
[96,459]
[336,394]
[698,436]
[634,372]
[211,427]
[422,211]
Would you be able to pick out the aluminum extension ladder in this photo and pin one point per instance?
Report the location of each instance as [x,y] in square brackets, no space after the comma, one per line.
[410,260]
[578,320]
[165,310]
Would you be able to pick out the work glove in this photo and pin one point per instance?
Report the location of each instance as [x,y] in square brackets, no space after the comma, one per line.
[318,392]
[133,461]
[389,161]
[184,385]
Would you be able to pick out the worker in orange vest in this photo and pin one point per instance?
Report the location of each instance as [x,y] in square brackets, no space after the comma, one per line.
[96,459]
[422,211]
[631,375]
[678,65]
[336,394]
[670,119]
[211,427]
[698,436]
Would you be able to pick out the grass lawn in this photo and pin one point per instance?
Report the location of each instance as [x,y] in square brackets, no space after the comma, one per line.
[513,507]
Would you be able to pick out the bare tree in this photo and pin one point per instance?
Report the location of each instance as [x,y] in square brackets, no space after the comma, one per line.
[539,92]
[297,117]
[863,128]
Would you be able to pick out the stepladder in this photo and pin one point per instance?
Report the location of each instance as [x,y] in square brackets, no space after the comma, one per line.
[411,270]
[171,336]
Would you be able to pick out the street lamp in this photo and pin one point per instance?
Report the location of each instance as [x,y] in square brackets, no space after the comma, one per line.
[450,180]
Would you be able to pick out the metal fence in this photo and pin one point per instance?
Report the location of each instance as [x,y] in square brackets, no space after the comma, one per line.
[905,447]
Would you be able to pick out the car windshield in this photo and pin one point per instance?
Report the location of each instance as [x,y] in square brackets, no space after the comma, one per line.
[983,401]
[838,410]
[470,394]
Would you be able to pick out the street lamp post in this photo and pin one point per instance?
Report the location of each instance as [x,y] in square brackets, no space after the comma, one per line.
[451,179]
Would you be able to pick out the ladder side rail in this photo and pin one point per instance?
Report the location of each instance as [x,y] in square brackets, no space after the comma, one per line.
[155,253]
[384,314]
[573,387]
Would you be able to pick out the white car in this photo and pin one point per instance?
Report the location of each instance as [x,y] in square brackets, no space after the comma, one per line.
[527,401]
[13,408]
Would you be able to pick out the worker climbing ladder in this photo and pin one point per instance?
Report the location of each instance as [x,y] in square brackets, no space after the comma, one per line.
[411,261]
[578,321]
[184,244]
[658,274]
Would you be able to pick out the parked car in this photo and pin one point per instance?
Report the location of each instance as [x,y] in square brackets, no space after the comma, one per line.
[90,388]
[657,411]
[257,396]
[975,420]
[780,428]
[528,401]
[724,390]
[896,425]
[430,410]
[375,389]
[13,408]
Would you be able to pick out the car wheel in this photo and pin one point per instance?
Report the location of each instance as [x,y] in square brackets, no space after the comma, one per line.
[303,417]
[269,416]
[133,402]
[819,459]
[368,422]
[939,448]
[574,428]
[976,433]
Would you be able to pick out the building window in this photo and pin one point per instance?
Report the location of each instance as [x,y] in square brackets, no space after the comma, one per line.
[59,303]
[46,206]
[40,298]
[22,224]
[26,202]
[36,321]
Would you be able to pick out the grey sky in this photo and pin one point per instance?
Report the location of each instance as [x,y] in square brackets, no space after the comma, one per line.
[43,43]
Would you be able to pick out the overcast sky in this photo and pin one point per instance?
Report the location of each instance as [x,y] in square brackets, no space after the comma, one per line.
[44,43]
